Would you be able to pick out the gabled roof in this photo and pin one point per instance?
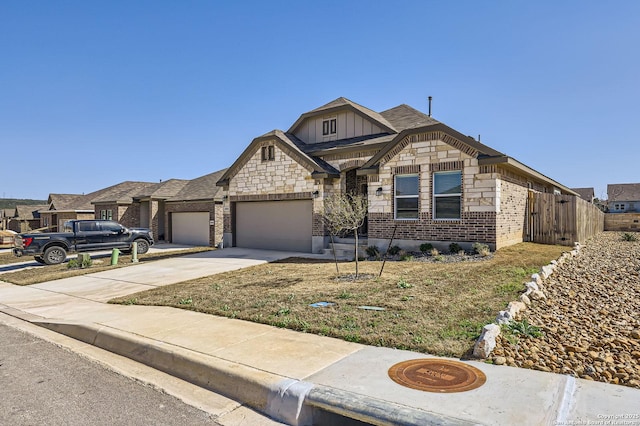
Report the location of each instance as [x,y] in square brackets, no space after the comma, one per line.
[623,192]
[66,202]
[162,190]
[202,188]
[291,146]
[405,117]
[400,123]
[456,138]
[342,104]
[586,194]
[28,212]
[121,193]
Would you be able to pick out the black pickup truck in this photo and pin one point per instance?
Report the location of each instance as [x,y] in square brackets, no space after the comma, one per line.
[81,236]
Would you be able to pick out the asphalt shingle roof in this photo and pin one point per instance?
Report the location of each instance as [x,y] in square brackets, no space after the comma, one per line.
[66,202]
[29,212]
[405,117]
[586,194]
[623,192]
[122,192]
[201,188]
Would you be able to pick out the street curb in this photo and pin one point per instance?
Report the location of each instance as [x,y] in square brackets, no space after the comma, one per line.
[292,401]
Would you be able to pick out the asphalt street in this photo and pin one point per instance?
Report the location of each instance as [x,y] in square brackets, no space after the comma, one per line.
[45,384]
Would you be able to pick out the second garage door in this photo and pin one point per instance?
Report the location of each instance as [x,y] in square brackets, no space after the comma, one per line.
[275,225]
[190,228]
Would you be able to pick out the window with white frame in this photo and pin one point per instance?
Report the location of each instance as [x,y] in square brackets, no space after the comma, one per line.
[406,194]
[447,195]
[106,214]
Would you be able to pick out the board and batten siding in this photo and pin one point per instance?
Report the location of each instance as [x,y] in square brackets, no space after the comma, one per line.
[348,125]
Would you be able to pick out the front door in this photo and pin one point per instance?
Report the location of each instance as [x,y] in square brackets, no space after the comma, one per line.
[357,185]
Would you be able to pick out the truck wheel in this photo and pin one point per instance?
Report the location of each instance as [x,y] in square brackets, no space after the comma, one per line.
[143,245]
[54,255]
[39,259]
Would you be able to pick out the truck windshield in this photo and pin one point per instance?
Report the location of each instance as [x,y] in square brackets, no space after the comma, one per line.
[68,227]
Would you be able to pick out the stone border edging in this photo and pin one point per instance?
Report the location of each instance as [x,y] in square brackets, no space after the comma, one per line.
[534,289]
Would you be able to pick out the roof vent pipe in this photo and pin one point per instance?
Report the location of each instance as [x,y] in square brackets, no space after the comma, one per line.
[430,99]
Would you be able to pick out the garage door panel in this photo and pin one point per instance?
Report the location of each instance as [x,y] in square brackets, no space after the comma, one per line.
[275,225]
[191,228]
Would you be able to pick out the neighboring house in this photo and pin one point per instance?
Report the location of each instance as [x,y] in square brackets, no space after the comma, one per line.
[587,194]
[5,215]
[138,204]
[25,218]
[116,203]
[176,210]
[64,207]
[425,182]
[623,197]
[194,215]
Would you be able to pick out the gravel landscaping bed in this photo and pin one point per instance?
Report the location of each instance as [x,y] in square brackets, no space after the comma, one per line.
[590,318]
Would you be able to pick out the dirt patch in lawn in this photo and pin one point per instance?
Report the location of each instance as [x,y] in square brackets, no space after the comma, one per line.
[43,273]
[437,308]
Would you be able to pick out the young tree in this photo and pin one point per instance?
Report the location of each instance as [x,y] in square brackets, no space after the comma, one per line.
[345,212]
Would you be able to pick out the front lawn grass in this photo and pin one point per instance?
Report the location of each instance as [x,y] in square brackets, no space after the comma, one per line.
[428,307]
[7,258]
[43,273]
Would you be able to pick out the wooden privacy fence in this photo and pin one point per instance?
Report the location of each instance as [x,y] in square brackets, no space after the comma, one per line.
[561,219]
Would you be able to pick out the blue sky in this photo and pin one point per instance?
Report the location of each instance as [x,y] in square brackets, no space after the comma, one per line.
[94,93]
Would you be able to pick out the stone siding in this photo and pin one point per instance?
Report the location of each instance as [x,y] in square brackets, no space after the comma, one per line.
[282,175]
[280,179]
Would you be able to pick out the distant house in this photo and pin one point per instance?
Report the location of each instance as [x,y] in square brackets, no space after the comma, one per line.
[138,204]
[624,197]
[587,194]
[25,218]
[5,215]
[64,207]
[177,211]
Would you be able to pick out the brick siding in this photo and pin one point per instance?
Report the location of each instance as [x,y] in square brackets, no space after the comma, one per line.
[511,221]
[472,227]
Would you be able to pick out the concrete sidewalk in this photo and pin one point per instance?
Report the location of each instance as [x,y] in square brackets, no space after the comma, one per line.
[296,378]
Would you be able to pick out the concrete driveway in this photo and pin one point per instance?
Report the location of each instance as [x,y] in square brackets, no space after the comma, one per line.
[105,285]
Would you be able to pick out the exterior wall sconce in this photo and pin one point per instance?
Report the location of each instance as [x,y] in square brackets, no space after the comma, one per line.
[225,197]
[315,194]
[379,191]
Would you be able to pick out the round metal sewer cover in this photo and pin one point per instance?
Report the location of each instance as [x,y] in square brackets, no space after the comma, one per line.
[437,375]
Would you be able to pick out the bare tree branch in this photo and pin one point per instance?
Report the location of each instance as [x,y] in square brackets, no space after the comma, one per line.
[345,212]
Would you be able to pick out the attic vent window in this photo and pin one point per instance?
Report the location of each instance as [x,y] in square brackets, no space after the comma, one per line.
[268,153]
[329,127]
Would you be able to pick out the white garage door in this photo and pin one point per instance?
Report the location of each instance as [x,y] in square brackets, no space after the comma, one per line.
[190,228]
[275,225]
